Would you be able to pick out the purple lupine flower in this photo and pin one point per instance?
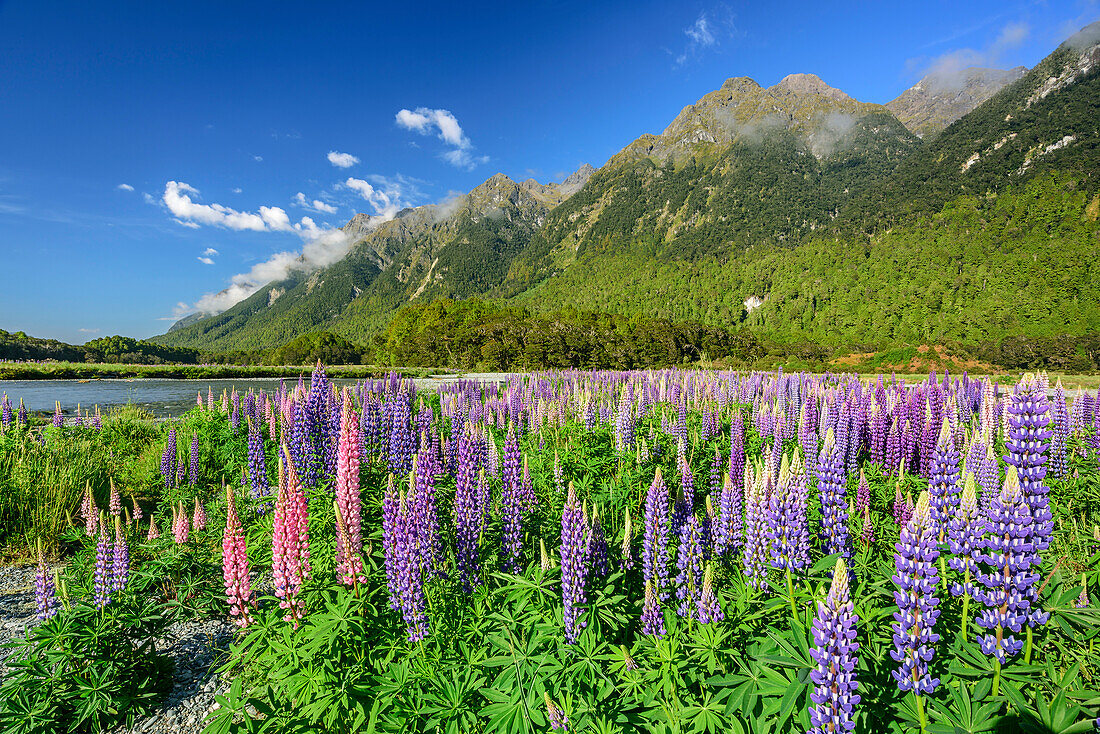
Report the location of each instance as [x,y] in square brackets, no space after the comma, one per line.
[943,482]
[120,560]
[689,559]
[511,510]
[391,508]
[23,419]
[6,416]
[194,476]
[45,590]
[1028,433]
[863,494]
[653,620]
[755,553]
[709,610]
[574,542]
[655,548]
[425,467]
[257,464]
[1060,432]
[467,515]
[965,531]
[834,508]
[168,459]
[58,416]
[685,501]
[989,478]
[235,416]
[834,677]
[789,531]
[103,565]
[1009,584]
[900,509]
[597,554]
[408,567]
[729,530]
[558,719]
[1082,601]
[918,608]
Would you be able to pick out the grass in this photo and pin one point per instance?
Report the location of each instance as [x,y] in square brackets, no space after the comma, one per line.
[91,370]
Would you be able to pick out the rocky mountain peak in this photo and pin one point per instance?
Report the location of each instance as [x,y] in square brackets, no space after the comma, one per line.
[940,98]
[808,84]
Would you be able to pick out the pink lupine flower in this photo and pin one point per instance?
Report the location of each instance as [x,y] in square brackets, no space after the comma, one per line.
[138,515]
[198,521]
[180,525]
[154,531]
[349,543]
[90,512]
[238,584]
[114,505]
[290,541]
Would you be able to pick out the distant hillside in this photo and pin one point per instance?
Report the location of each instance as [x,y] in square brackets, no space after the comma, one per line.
[792,210]
[940,98]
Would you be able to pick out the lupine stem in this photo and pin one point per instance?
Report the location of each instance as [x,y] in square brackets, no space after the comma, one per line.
[920,713]
[996,677]
[790,593]
[1027,647]
[966,608]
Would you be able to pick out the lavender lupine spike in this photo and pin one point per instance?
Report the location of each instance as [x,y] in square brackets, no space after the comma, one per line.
[834,508]
[45,590]
[834,636]
[965,532]
[943,482]
[168,460]
[755,553]
[729,530]
[409,569]
[467,515]
[655,549]
[689,559]
[23,419]
[194,475]
[863,494]
[916,579]
[257,463]
[558,719]
[574,541]
[709,610]
[235,570]
[1009,554]
[1028,433]
[789,530]
[597,559]
[1082,601]
[101,578]
[120,560]
[989,479]
[511,509]
[349,546]
[6,418]
[653,620]
[1060,432]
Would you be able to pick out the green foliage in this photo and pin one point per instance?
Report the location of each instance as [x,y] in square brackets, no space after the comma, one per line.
[87,669]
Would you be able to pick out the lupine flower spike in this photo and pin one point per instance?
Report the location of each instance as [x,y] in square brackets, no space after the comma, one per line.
[101,579]
[918,608]
[574,543]
[45,590]
[834,678]
[235,570]
[558,720]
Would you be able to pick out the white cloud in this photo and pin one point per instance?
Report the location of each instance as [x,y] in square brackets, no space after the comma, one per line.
[177,197]
[90,331]
[149,198]
[316,205]
[708,31]
[124,187]
[425,120]
[189,225]
[386,204]
[206,261]
[209,251]
[258,158]
[237,190]
[342,160]
[946,69]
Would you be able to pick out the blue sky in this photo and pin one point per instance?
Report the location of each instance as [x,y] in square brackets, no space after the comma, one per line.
[153,154]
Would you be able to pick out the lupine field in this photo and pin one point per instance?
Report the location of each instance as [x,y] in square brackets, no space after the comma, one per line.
[675,551]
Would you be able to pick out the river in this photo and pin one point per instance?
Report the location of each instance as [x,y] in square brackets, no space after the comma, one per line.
[162,398]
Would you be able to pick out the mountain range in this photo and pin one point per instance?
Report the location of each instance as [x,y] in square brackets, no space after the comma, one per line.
[966,209]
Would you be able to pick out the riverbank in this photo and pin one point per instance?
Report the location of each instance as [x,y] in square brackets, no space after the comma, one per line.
[99,371]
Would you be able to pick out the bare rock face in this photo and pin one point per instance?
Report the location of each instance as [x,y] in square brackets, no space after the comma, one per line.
[808,84]
[939,99]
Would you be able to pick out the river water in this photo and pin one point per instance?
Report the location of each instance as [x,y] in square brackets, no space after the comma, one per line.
[162,398]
